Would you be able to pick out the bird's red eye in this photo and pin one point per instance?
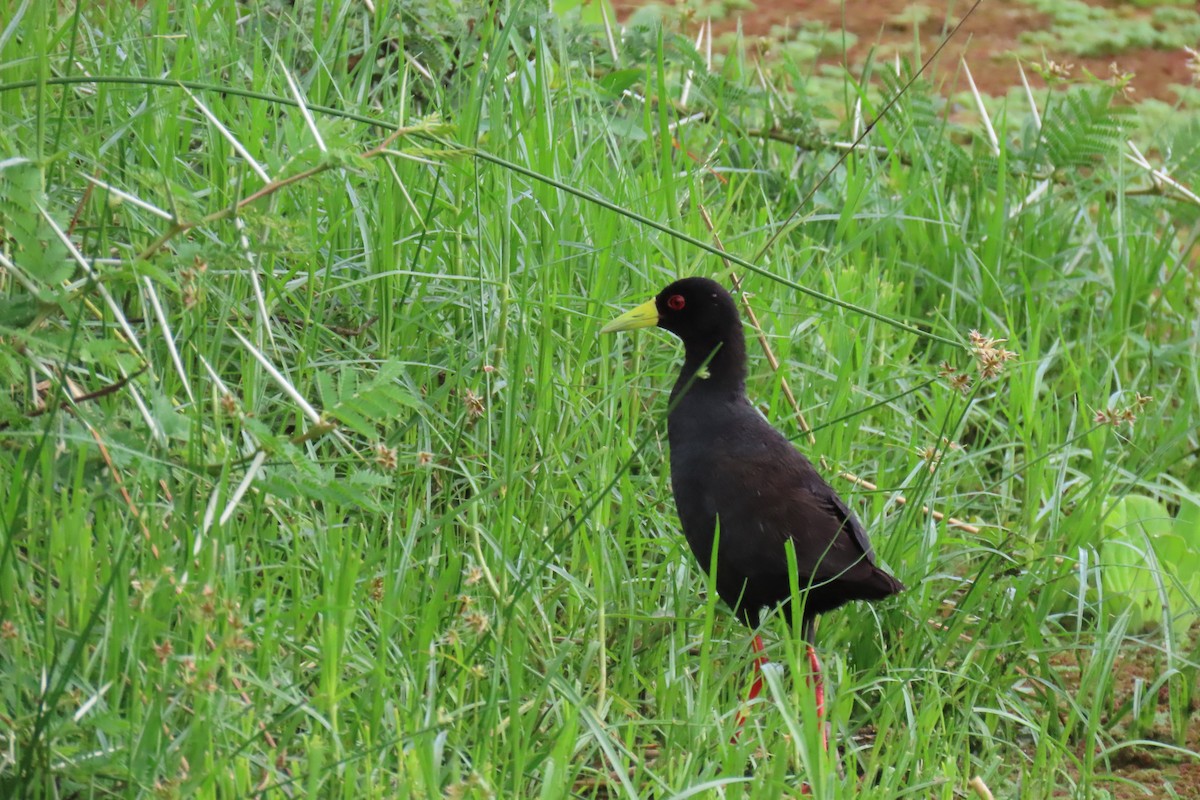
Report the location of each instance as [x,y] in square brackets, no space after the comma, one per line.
[676,302]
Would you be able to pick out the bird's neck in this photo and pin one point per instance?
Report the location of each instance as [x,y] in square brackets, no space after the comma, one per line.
[716,365]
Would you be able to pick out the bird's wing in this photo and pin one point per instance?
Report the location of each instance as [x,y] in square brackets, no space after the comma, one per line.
[852,525]
[780,497]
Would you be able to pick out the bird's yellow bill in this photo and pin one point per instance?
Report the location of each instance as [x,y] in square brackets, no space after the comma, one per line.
[643,316]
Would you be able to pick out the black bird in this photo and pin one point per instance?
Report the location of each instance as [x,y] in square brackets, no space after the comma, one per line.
[738,480]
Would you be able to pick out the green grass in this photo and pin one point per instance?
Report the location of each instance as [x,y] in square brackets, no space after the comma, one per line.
[1085,29]
[354,502]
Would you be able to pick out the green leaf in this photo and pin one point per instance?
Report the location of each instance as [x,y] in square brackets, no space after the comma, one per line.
[36,246]
[1144,562]
[1187,523]
[590,12]
[1084,127]
[619,80]
[19,310]
[173,424]
[377,402]
[627,129]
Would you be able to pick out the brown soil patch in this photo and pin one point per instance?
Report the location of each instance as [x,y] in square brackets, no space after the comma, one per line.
[1156,773]
[987,41]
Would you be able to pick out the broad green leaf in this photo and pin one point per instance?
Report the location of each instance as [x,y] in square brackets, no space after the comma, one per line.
[37,247]
[619,80]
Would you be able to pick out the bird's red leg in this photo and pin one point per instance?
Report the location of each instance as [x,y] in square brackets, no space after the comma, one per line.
[819,690]
[760,658]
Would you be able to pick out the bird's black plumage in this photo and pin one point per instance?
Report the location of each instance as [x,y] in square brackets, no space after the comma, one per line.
[738,480]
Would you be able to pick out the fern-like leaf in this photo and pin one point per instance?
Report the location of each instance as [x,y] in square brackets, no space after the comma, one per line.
[1084,128]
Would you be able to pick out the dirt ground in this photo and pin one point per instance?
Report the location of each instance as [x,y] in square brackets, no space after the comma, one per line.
[1145,771]
[986,40]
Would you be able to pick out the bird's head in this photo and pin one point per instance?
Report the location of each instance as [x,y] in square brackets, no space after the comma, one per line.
[694,309]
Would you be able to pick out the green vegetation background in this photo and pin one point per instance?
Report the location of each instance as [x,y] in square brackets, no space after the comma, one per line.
[321,483]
